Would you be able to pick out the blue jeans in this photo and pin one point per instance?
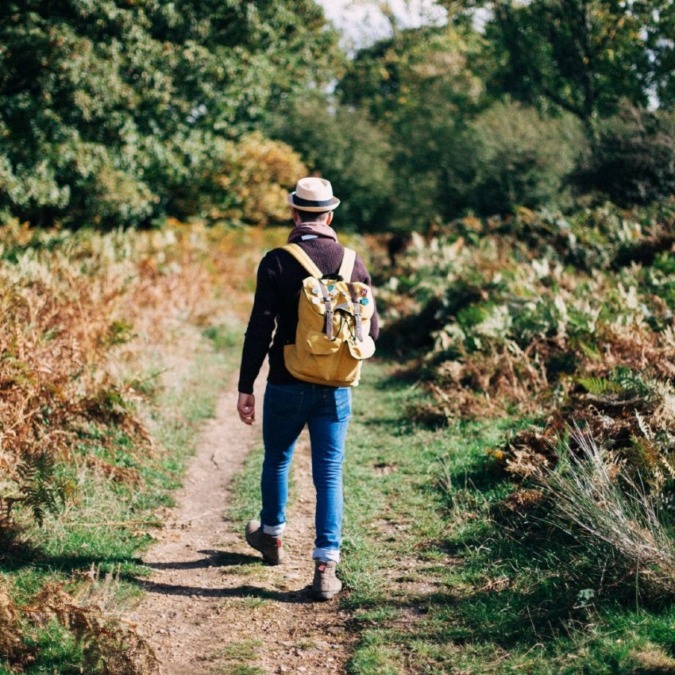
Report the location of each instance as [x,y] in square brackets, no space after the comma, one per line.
[326,412]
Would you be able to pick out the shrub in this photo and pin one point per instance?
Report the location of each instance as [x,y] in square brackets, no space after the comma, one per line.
[513,309]
[254,180]
[75,307]
[520,158]
[633,162]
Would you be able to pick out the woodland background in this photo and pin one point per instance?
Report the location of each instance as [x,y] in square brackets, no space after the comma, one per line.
[126,113]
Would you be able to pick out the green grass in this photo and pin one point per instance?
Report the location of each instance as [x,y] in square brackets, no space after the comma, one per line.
[237,656]
[59,651]
[93,546]
[245,489]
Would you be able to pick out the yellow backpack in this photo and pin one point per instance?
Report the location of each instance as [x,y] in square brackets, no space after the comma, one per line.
[332,337]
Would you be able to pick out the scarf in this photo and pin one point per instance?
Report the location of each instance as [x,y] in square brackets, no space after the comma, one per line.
[312,229]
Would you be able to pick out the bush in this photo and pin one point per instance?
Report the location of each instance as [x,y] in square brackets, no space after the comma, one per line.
[633,162]
[520,158]
[511,310]
[254,179]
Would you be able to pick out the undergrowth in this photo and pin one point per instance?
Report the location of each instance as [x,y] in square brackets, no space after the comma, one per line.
[569,321]
[105,341]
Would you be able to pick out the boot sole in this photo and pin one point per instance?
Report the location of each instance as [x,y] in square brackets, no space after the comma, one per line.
[318,595]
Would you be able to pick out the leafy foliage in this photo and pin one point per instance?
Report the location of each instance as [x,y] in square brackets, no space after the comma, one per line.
[74,307]
[520,159]
[447,99]
[253,181]
[513,296]
[430,68]
[343,144]
[427,74]
[40,490]
[583,56]
[634,158]
[113,112]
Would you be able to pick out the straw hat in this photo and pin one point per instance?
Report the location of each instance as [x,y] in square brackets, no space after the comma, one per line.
[313,194]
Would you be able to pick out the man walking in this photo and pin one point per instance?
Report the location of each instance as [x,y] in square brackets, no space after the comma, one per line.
[291,404]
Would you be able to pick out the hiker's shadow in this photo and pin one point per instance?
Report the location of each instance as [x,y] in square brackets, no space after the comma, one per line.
[210,559]
[219,559]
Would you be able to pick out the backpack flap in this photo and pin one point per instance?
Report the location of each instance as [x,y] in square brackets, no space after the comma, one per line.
[361,349]
[317,343]
[319,316]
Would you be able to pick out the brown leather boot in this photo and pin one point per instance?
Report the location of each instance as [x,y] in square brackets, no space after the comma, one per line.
[267,544]
[326,584]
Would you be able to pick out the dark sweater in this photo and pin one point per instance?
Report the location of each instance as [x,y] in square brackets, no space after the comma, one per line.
[274,317]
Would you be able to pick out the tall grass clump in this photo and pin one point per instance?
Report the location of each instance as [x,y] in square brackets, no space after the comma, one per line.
[593,495]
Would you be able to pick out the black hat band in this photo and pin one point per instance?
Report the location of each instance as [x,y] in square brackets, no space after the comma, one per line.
[299,201]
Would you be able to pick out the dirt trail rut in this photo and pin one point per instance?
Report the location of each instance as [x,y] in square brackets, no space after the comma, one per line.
[210,602]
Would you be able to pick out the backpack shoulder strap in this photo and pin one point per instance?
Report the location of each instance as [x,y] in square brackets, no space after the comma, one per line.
[347,266]
[297,252]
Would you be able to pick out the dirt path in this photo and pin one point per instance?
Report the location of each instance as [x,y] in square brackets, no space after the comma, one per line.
[210,603]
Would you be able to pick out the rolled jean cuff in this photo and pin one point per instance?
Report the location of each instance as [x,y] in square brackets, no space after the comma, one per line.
[274,530]
[326,555]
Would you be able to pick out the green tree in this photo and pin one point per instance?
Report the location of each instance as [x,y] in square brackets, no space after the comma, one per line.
[430,66]
[443,96]
[520,158]
[634,158]
[112,112]
[583,56]
[421,86]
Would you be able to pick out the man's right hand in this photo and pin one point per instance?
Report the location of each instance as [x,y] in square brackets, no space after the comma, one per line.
[246,408]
